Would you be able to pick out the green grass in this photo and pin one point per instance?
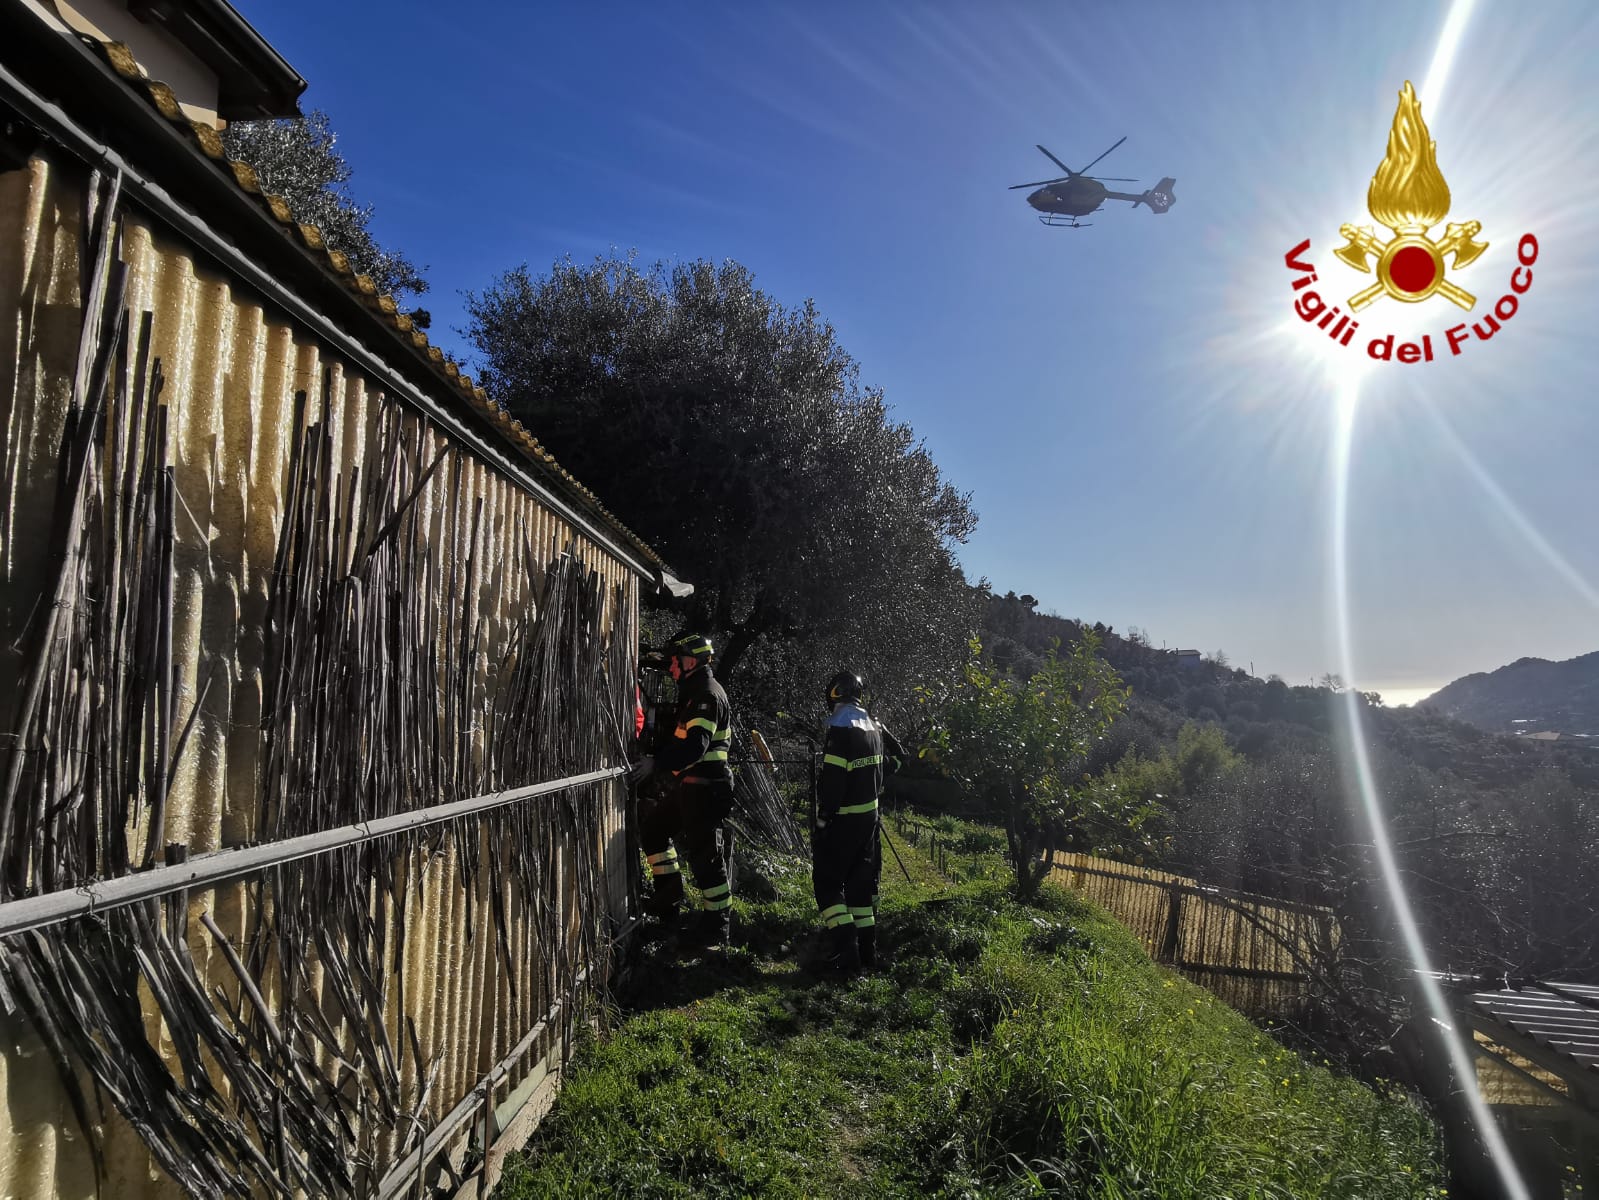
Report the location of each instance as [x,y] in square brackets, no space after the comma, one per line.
[1007,1051]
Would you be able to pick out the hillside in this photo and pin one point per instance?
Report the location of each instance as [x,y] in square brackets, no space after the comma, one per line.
[1265,806]
[1007,1050]
[1562,697]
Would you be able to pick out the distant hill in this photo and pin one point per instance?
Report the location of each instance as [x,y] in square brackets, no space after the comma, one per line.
[1562,697]
[1263,716]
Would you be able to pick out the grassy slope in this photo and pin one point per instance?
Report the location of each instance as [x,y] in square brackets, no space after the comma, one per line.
[1007,1051]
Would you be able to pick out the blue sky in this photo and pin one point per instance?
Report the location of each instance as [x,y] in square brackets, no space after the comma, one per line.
[1144,425]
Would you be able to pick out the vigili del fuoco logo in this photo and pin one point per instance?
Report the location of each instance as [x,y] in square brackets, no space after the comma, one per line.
[1408,195]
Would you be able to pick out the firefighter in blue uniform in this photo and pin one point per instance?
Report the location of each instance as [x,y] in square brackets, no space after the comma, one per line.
[846,849]
[696,793]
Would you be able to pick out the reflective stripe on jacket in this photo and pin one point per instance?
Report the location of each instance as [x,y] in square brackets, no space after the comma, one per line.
[857,753]
[702,733]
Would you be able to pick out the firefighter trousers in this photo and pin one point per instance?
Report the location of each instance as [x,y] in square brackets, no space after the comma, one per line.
[846,864]
[685,818]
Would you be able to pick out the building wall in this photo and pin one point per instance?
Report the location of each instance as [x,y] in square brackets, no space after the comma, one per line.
[233,369]
[162,57]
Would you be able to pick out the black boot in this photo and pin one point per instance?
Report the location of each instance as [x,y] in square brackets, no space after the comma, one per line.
[715,927]
[664,911]
[866,944]
[663,908]
[666,898]
[846,958]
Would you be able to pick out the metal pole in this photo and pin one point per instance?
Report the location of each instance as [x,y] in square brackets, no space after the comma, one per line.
[207,870]
[884,830]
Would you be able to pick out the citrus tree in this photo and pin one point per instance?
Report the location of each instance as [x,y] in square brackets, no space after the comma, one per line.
[1020,746]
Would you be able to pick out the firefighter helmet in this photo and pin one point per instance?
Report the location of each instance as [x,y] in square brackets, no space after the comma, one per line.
[845,686]
[692,645]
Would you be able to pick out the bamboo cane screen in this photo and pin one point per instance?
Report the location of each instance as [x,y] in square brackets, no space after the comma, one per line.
[1252,951]
[284,602]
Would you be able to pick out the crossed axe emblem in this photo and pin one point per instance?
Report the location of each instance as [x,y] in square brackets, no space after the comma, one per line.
[1362,244]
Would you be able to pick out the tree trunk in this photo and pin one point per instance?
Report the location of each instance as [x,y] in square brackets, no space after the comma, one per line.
[1021,840]
[761,619]
[1044,865]
[1016,846]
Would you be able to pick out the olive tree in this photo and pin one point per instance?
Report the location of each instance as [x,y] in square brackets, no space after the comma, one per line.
[295,158]
[733,434]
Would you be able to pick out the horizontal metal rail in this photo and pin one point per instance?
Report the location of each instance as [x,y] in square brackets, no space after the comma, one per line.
[220,866]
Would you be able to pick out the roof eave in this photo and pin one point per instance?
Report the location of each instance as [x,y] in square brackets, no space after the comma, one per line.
[256,81]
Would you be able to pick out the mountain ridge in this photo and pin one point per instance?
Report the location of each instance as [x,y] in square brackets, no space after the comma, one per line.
[1530,694]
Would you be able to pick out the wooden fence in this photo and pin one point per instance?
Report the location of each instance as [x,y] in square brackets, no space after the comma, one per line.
[1251,951]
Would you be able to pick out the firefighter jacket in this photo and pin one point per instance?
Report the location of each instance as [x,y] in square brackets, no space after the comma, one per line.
[703,730]
[857,754]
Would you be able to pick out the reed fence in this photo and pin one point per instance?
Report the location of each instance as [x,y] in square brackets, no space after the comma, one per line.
[312,848]
[1253,952]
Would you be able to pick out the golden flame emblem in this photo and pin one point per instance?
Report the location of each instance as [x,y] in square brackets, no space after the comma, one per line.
[1408,194]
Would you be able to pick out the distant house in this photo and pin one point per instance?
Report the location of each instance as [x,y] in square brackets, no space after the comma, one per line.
[1188,658]
[1544,741]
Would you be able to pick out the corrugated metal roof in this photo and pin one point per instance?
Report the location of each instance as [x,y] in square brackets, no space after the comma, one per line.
[1560,1018]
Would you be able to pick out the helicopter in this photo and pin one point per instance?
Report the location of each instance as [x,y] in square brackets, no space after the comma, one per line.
[1061,202]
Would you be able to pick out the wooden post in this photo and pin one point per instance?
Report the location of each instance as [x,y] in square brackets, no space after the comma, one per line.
[1174,924]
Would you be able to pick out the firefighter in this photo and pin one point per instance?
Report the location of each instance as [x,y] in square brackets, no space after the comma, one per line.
[696,793]
[846,848]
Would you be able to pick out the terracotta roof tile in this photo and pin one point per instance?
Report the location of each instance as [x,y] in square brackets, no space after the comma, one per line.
[210,140]
[166,101]
[279,207]
[384,307]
